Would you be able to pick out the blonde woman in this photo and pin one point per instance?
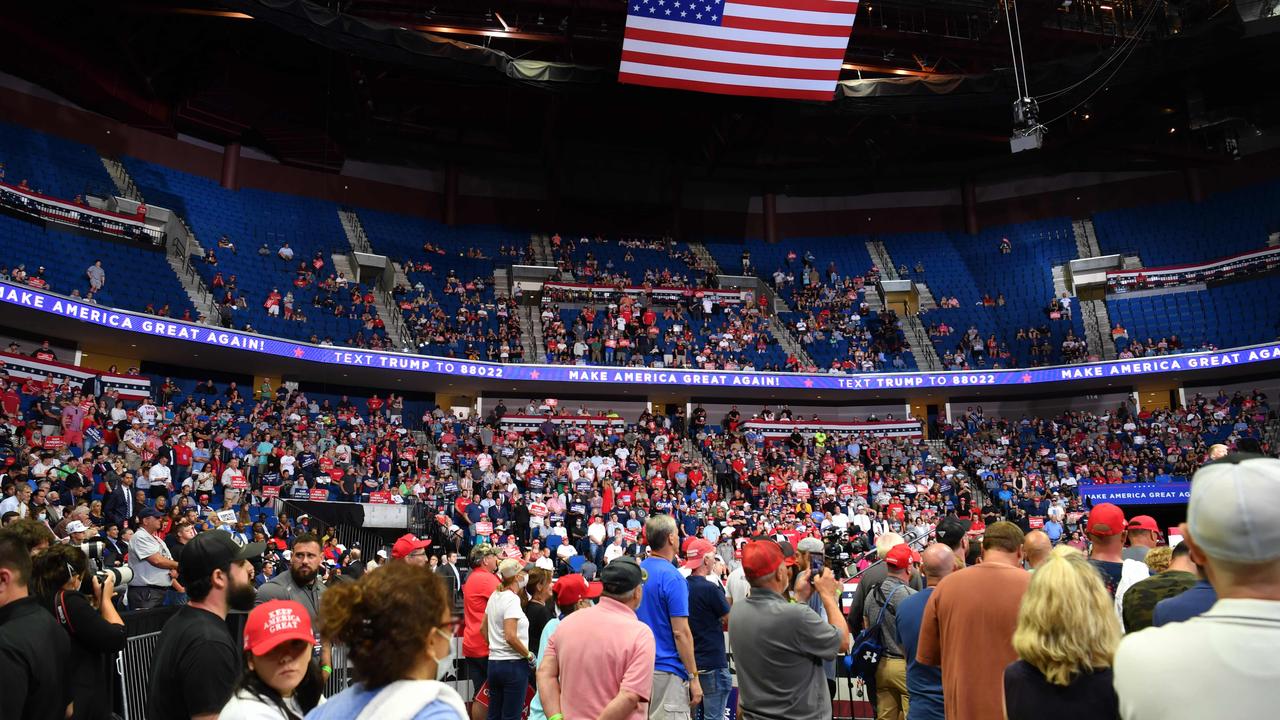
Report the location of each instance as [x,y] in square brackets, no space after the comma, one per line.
[1066,638]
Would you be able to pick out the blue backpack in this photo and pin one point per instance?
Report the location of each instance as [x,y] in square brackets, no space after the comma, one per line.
[868,648]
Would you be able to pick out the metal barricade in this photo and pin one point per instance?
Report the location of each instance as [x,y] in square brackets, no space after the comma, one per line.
[134,665]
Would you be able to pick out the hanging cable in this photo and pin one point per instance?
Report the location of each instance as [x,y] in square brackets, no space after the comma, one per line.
[1013,53]
[1022,57]
[1096,90]
[1126,46]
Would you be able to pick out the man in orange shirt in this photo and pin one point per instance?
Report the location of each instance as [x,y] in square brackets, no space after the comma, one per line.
[480,584]
[969,622]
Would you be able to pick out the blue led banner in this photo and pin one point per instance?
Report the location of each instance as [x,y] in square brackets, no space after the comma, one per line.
[1177,493]
[146,325]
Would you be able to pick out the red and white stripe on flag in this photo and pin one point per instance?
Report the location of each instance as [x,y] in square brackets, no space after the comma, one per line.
[767,48]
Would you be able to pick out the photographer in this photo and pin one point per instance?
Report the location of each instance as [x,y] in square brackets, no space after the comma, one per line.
[95,628]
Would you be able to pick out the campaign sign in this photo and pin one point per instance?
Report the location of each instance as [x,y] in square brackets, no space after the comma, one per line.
[630,535]
[54,442]
[657,483]
[238,482]
[1138,493]
[381,497]
[1036,522]
[319,495]
[140,325]
[270,491]
[582,485]
[846,491]
[803,493]
[227,516]
[450,488]
[484,527]
[538,509]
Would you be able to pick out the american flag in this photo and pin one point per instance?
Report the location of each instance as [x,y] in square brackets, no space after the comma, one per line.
[767,48]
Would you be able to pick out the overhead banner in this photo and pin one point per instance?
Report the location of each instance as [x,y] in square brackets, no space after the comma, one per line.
[779,429]
[531,423]
[658,294]
[1252,262]
[147,327]
[1177,493]
[28,368]
[69,213]
[127,387]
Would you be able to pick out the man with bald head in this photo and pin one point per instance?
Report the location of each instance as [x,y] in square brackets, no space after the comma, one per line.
[924,682]
[1036,548]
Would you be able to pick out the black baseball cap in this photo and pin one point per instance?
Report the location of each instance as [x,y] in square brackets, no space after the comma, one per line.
[952,530]
[622,575]
[149,512]
[213,550]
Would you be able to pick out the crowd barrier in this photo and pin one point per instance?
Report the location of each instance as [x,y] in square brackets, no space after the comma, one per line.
[134,667]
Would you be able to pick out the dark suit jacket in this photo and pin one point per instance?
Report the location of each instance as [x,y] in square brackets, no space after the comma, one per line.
[115,506]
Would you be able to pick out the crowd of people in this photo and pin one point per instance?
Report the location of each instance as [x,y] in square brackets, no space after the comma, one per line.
[466,322]
[617,504]
[695,332]
[655,262]
[972,626]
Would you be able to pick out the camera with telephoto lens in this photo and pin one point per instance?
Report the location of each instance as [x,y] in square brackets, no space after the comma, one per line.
[121,576]
[92,548]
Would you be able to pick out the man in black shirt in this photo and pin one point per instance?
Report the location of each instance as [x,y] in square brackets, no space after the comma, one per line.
[197,662]
[34,650]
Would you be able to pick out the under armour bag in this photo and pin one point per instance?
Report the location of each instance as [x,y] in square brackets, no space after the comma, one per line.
[868,647]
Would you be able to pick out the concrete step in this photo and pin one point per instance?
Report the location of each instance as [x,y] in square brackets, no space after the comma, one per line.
[181,245]
[927,301]
[501,284]
[121,178]
[1097,328]
[705,257]
[921,346]
[788,341]
[354,230]
[1059,281]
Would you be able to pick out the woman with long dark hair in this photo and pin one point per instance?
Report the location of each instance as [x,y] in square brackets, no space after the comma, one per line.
[280,680]
[398,627]
[94,625]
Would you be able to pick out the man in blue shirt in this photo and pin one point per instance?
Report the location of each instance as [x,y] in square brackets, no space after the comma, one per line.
[1185,606]
[708,612]
[924,682]
[665,609]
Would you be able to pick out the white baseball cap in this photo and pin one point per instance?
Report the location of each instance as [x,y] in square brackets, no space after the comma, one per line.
[76,526]
[1234,513]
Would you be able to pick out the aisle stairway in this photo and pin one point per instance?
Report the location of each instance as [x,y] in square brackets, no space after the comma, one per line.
[181,246]
[705,258]
[388,309]
[922,348]
[788,341]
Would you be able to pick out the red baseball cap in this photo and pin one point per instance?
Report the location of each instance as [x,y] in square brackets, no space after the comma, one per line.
[407,544]
[1143,522]
[684,544]
[572,588]
[274,622]
[696,551]
[760,558]
[901,556]
[1106,519]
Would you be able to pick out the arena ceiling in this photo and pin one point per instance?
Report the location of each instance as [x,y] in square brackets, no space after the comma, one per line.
[284,76]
